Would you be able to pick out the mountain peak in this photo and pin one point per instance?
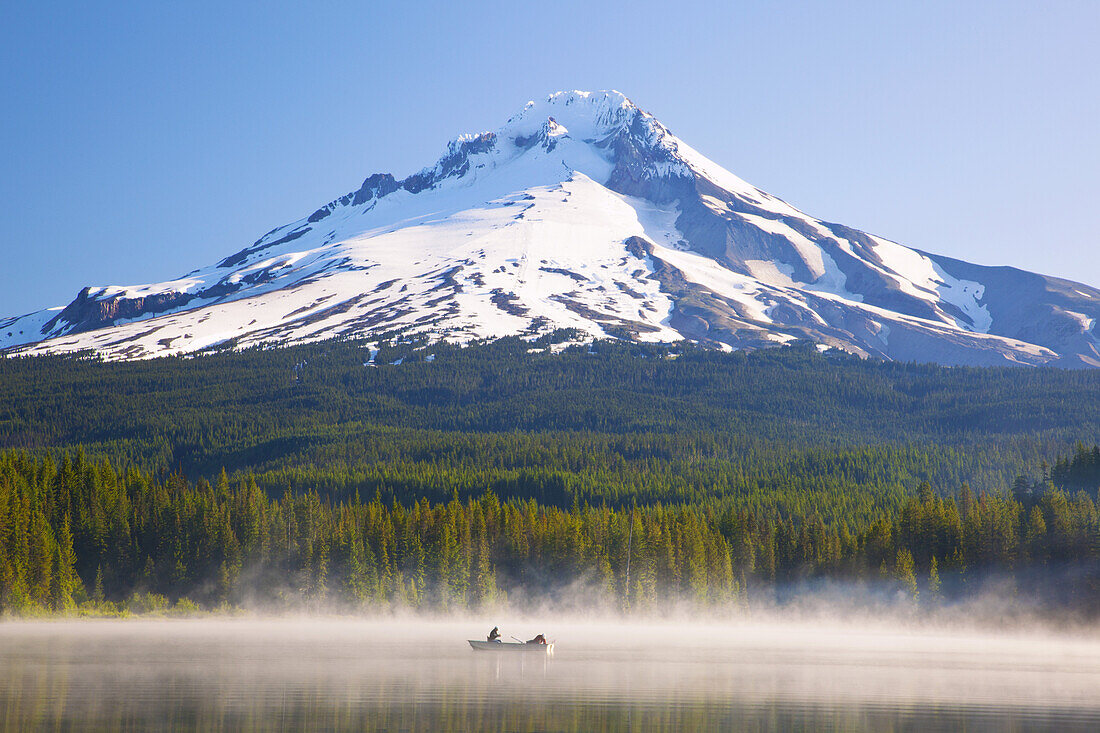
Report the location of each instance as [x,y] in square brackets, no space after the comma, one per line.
[587,115]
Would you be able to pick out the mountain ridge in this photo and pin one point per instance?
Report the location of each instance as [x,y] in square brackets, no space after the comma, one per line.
[583,211]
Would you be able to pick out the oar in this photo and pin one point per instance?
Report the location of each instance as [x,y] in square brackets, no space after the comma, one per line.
[521,641]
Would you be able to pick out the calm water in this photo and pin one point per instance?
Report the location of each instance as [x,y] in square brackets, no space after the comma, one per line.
[354,675]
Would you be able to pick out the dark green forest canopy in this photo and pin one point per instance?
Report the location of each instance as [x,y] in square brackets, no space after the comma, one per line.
[785,431]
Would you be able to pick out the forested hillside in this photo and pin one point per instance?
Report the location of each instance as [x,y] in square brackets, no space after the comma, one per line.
[442,477]
[611,423]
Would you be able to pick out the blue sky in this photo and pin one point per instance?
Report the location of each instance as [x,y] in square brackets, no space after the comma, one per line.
[147,139]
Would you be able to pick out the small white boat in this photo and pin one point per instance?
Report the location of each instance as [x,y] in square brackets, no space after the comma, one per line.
[508,646]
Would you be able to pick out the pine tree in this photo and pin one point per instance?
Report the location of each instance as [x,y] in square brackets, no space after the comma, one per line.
[485,585]
[934,584]
[696,566]
[225,582]
[41,560]
[1035,535]
[355,582]
[319,594]
[904,573]
[97,592]
[418,570]
[65,579]
[605,578]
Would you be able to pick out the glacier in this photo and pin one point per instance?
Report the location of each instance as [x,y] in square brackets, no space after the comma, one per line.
[581,212]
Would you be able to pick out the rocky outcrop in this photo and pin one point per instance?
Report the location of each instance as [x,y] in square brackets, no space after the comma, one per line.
[87,312]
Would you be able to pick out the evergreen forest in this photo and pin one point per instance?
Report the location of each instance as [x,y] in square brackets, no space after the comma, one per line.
[357,477]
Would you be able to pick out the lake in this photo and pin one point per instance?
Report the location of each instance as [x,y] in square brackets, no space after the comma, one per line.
[343,674]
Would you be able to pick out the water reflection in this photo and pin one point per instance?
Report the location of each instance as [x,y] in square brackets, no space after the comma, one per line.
[348,675]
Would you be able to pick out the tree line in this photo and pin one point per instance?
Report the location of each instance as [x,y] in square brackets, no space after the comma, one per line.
[78,534]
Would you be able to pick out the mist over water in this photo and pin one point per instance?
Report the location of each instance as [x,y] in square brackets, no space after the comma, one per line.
[387,674]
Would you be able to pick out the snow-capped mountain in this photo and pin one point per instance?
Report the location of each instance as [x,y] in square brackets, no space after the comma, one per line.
[582,212]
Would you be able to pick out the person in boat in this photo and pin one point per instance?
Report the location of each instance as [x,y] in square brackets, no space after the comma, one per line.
[540,639]
[494,635]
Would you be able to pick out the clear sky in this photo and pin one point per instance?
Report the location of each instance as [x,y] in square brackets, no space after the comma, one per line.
[142,140]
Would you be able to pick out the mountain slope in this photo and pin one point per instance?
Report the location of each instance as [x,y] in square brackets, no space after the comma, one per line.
[582,212]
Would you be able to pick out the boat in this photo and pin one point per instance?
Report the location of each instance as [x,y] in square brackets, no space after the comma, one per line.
[509,646]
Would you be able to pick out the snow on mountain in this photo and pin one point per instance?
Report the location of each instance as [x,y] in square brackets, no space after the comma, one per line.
[582,212]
